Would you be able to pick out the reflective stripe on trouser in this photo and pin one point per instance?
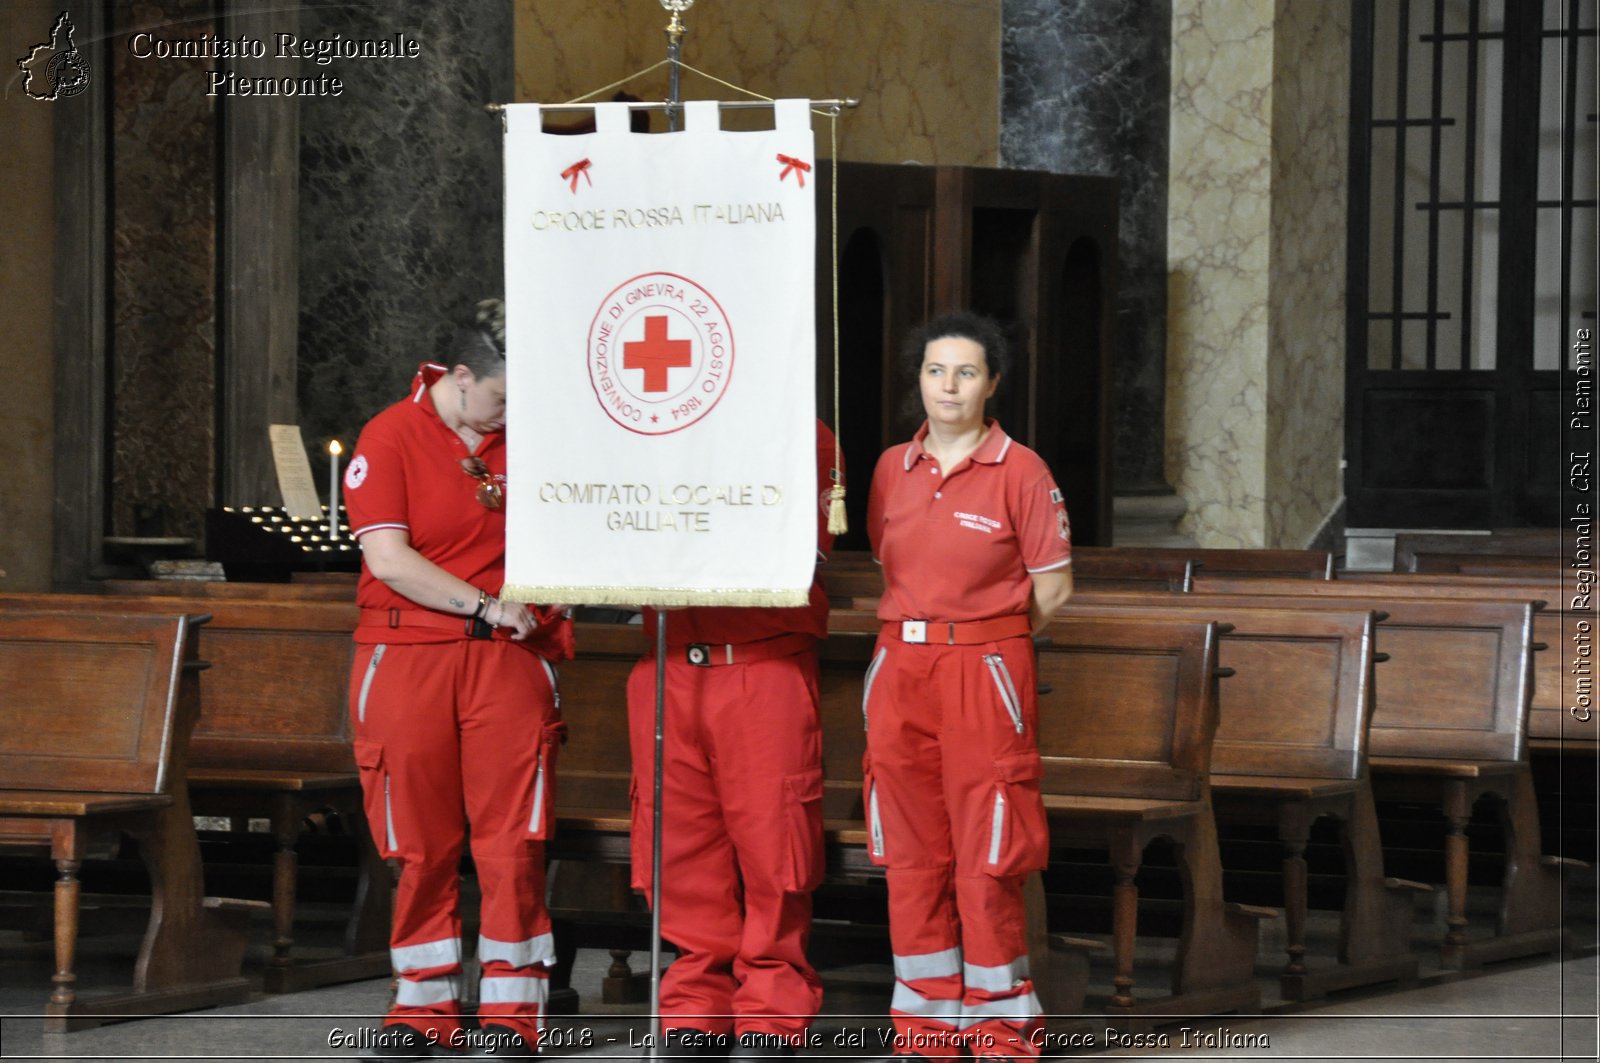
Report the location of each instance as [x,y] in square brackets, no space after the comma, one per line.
[449,727]
[957,795]
[742,839]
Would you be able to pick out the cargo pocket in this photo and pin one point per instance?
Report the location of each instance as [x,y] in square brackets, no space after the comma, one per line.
[1017,838]
[877,852]
[542,811]
[802,795]
[379,802]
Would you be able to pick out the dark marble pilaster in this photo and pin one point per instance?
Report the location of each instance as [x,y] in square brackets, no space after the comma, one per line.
[163,282]
[1085,86]
[400,201]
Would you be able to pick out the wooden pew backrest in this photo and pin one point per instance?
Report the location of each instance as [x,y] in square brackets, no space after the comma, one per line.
[278,690]
[1506,542]
[1460,676]
[1130,709]
[104,687]
[1561,679]
[595,765]
[1294,564]
[1299,701]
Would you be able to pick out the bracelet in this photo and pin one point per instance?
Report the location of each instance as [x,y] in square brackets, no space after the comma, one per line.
[483,604]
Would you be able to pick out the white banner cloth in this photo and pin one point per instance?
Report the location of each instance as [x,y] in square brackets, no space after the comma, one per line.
[660,382]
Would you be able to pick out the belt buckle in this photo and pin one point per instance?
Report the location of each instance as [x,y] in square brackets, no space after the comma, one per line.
[913,631]
[698,654]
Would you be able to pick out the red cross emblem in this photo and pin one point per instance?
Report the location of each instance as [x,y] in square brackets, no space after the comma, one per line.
[655,354]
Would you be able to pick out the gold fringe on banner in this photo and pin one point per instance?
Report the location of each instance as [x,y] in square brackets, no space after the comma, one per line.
[665,597]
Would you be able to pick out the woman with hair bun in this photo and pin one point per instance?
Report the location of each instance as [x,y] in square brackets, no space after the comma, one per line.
[453,703]
[976,552]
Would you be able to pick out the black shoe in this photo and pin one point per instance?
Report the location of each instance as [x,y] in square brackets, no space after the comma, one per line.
[688,1041]
[495,1041]
[398,1040]
[754,1045]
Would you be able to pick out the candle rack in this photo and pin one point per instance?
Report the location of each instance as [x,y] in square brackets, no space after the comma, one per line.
[264,544]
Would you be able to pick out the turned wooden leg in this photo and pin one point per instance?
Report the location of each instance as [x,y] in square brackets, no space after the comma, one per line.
[1294,830]
[285,874]
[1124,923]
[64,980]
[617,987]
[1458,812]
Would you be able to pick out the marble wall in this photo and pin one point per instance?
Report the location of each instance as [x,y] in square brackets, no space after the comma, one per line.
[1084,89]
[400,203]
[1306,328]
[926,71]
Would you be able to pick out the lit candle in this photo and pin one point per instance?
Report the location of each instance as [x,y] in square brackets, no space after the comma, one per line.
[334,450]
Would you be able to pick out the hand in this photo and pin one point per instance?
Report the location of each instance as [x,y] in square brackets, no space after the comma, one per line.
[514,615]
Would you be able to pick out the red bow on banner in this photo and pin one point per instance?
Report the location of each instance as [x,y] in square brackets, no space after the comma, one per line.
[794,166]
[572,172]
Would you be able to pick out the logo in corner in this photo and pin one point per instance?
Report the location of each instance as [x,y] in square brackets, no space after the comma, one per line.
[55,69]
[660,353]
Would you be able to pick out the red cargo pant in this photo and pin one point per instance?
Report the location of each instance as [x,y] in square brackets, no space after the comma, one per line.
[741,838]
[449,733]
[954,813]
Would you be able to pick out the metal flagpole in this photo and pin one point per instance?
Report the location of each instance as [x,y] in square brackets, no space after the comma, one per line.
[675,30]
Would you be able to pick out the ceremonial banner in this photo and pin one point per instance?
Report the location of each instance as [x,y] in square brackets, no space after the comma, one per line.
[660,333]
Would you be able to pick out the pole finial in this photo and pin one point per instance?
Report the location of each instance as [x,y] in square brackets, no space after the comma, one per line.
[676,8]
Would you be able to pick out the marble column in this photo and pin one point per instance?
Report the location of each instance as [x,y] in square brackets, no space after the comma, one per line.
[400,201]
[1084,89]
[1256,203]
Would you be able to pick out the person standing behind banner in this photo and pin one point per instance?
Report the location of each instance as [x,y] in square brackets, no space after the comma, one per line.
[454,705]
[742,825]
[976,551]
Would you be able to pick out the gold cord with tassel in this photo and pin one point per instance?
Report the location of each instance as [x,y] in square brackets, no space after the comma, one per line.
[837,525]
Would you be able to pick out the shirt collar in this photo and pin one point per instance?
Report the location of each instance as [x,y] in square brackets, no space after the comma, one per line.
[428,374]
[992,451]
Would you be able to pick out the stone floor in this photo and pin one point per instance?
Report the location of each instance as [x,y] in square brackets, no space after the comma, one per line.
[1529,1010]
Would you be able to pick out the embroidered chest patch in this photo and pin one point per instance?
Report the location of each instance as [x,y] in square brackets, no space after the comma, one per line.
[978,522]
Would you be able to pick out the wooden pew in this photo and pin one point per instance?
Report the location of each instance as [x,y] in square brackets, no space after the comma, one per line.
[1128,714]
[98,715]
[1562,681]
[1291,748]
[1105,786]
[273,741]
[1449,727]
[1563,731]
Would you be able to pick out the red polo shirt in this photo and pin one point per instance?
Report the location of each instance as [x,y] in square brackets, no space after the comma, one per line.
[959,544]
[741,624]
[406,473]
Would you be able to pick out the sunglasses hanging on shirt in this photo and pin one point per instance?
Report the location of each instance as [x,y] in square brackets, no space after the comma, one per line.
[489,491]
